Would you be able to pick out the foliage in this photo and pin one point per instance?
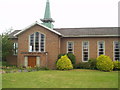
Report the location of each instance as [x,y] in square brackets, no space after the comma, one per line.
[104,63]
[60,55]
[7,45]
[71,56]
[116,65]
[4,63]
[40,68]
[64,63]
[82,65]
[92,63]
[12,69]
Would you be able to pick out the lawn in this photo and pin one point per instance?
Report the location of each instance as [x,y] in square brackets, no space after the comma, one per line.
[61,79]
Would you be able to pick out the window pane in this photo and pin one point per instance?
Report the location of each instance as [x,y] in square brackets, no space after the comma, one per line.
[70,47]
[117,50]
[32,42]
[37,42]
[85,59]
[85,51]
[101,48]
[42,42]
[15,48]
[70,50]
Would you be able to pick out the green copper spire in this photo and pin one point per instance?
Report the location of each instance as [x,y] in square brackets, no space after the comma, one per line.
[47,21]
[47,10]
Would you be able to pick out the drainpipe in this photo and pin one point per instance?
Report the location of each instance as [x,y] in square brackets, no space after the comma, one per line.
[60,44]
[46,59]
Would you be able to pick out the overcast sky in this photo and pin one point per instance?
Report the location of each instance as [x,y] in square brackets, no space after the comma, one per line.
[19,14]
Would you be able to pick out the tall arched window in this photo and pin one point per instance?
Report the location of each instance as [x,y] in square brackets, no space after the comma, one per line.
[37,42]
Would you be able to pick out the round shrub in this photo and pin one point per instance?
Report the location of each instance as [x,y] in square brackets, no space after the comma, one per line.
[71,56]
[104,63]
[60,55]
[92,63]
[64,63]
[116,65]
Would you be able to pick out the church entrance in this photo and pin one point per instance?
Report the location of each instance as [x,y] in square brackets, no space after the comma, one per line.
[32,61]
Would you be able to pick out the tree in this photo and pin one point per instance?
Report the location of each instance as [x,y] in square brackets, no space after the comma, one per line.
[6,45]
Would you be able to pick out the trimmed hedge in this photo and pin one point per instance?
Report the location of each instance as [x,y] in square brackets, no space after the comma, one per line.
[104,63]
[64,63]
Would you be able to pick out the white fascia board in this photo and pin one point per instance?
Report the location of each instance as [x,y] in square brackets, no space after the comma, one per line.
[49,28]
[25,29]
[93,36]
[39,25]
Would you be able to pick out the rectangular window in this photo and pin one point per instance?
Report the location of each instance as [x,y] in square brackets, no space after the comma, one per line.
[15,48]
[70,47]
[101,48]
[31,43]
[42,43]
[116,48]
[36,41]
[85,51]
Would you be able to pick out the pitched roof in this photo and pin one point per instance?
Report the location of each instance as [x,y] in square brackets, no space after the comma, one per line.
[81,32]
[37,23]
[11,35]
[89,32]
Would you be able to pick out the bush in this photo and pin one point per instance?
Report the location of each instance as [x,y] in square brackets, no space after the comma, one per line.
[82,65]
[4,63]
[60,55]
[92,63]
[104,63]
[116,65]
[72,58]
[64,63]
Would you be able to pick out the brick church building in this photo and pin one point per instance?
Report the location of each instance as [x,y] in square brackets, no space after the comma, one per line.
[40,43]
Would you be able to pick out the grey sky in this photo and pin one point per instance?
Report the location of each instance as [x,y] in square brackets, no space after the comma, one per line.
[66,13]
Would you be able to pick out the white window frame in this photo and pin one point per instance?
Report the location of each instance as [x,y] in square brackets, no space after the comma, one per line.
[39,42]
[99,48]
[72,47]
[15,48]
[83,51]
[114,50]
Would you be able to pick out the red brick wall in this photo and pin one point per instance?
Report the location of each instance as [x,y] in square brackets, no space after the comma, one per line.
[12,60]
[92,46]
[55,45]
[51,46]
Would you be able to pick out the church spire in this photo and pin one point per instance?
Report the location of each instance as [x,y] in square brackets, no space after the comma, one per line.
[47,21]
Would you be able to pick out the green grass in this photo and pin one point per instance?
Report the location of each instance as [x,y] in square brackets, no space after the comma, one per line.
[61,79]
